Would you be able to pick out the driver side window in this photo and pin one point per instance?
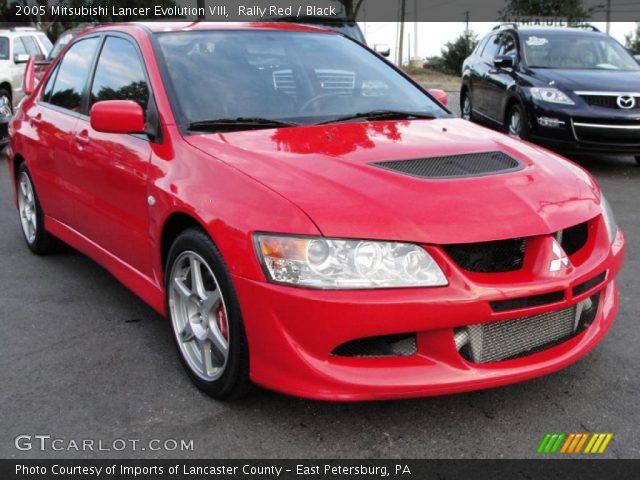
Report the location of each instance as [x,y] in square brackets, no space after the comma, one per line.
[491,50]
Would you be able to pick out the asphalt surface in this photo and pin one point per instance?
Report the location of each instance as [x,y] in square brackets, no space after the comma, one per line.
[83,358]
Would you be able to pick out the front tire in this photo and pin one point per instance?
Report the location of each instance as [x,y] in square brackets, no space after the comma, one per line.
[466,107]
[205,317]
[6,108]
[37,238]
[516,122]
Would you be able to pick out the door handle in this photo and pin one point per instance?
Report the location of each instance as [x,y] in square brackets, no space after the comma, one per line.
[82,137]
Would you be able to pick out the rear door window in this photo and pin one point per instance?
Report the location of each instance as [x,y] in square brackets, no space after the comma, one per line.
[72,75]
[31,45]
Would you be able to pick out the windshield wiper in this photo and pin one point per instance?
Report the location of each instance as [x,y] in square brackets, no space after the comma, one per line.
[239,123]
[381,115]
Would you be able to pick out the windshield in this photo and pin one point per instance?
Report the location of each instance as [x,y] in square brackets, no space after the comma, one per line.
[592,52]
[59,45]
[349,29]
[293,77]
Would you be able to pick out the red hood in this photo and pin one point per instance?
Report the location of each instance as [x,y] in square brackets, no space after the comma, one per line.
[326,171]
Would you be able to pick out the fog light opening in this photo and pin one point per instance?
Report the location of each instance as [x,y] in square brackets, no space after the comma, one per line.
[550,122]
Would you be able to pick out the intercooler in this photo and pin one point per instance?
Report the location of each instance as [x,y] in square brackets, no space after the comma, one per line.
[508,339]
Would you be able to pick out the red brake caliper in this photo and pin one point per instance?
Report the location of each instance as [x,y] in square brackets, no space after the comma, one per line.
[221,319]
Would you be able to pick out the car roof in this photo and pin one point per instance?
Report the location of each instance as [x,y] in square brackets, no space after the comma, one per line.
[189,26]
[555,30]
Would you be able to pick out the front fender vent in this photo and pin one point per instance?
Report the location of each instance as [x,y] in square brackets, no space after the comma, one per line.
[455,166]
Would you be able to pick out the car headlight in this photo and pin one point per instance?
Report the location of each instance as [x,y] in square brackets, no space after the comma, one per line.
[551,95]
[609,219]
[325,263]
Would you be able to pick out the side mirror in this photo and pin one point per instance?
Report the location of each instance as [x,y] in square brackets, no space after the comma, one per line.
[21,58]
[382,49]
[439,95]
[29,77]
[117,116]
[503,61]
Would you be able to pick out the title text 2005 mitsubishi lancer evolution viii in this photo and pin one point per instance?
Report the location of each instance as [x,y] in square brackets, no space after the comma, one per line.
[307,217]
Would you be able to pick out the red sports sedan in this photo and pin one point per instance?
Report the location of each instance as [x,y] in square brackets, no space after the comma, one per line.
[308,218]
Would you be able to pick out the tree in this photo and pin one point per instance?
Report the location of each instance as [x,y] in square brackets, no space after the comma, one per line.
[52,24]
[453,54]
[351,7]
[633,40]
[571,10]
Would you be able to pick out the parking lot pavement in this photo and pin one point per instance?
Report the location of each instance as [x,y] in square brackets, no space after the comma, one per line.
[82,358]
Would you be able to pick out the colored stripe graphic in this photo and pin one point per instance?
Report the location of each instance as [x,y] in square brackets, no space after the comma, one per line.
[572,443]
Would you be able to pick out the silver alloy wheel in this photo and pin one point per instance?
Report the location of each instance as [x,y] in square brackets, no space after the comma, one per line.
[515,121]
[27,208]
[199,316]
[466,108]
[5,106]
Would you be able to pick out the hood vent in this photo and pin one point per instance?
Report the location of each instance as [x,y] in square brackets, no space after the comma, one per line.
[455,166]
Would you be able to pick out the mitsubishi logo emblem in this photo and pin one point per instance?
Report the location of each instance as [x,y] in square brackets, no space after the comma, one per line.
[560,260]
[626,102]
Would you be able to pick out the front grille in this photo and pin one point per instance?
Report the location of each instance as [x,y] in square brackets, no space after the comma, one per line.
[401,345]
[527,302]
[589,284]
[488,257]
[455,166]
[504,340]
[607,101]
[626,132]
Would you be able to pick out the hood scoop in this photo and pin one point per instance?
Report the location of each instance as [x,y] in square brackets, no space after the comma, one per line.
[455,166]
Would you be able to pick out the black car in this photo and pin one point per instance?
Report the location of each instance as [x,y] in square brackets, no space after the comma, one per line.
[569,89]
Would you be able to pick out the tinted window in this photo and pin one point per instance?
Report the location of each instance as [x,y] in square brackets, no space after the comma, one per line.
[72,75]
[508,46]
[576,50]
[491,49]
[48,88]
[31,45]
[282,75]
[119,74]
[4,48]
[480,47]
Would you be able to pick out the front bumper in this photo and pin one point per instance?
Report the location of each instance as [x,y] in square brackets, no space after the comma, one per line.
[292,332]
[586,129]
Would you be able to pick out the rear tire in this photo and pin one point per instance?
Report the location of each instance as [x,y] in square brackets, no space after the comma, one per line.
[37,238]
[205,317]
[516,122]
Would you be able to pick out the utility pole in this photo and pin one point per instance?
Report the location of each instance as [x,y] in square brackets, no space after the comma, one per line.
[403,5]
[415,28]
[466,32]
[200,6]
[608,16]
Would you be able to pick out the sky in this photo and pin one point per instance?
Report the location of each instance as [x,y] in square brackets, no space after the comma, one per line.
[433,35]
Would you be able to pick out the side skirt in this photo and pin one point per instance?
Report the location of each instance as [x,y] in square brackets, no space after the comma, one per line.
[135,281]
